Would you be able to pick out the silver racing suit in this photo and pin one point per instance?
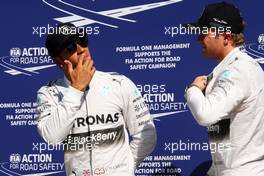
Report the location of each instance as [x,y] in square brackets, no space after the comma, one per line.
[94,126]
[232,108]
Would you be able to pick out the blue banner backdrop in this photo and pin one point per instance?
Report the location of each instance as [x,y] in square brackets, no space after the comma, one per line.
[143,40]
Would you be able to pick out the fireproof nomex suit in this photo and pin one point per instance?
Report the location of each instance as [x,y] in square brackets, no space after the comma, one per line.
[234,103]
[95,125]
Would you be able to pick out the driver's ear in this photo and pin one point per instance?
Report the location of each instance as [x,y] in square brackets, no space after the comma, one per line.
[58,61]
[227,38]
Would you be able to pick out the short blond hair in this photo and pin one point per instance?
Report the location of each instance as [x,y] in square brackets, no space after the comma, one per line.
[238,39]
